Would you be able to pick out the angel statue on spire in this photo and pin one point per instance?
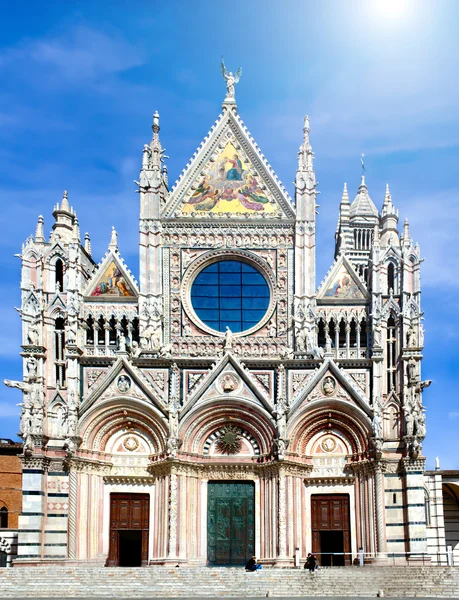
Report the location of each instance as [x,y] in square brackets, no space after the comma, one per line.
[230,79]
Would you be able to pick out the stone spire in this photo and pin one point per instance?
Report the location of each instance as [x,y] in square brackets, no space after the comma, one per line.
[113,245]
[87,243]
[388,207]
[76,230]
[156,149]
[65,202]
[406,234]
[305,240]
[65,219]
[343,235]
[40,231]
[389,220]
[363,207]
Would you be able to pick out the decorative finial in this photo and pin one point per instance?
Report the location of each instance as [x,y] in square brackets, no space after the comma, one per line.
[231,81]
[362,156]
[40,231]
[65,202]
[76,229]
[437,463]
[113,245]
[165,175]
[345,196]
[87,243]
[406,232]
[155,125]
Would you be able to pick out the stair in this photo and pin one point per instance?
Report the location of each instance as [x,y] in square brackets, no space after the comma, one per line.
[182,582]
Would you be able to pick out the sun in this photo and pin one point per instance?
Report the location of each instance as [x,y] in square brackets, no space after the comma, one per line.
[391,10]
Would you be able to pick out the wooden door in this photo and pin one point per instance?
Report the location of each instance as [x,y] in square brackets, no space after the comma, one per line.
[128,512]
[331,513]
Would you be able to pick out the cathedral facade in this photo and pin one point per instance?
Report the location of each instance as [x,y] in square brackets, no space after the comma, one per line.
[226,404]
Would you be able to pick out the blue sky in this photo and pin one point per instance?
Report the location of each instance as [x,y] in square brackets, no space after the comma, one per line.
[80,81]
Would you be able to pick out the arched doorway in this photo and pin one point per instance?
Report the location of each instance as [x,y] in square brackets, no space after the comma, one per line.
[451,516]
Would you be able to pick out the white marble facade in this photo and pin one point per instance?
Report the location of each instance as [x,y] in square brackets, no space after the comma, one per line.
[132,388]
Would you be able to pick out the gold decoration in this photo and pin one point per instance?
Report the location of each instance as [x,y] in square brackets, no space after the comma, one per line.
[328,444]
[229,440]
[131,443]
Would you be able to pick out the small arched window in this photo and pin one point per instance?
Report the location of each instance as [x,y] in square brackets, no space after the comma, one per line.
[321,334]
[391,355]
[90,330]
[342,334]
[391,278]
[59,350]
[3,517]
[59,275]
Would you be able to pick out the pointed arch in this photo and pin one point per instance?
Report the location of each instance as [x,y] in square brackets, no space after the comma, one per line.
[106,418]
[200,424]
[324,415]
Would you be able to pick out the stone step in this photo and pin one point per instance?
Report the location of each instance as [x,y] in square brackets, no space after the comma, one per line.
[153,582]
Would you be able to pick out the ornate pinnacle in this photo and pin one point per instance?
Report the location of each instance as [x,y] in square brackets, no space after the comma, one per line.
[76,230]
[306,130]
[345,196]
[40,231]
[155,127]
[65,202]
[87,243]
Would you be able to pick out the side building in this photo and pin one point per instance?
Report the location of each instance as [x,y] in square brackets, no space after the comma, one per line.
[225,405]
[10,499]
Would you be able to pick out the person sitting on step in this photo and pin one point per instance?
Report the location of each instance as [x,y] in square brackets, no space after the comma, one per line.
[252,564]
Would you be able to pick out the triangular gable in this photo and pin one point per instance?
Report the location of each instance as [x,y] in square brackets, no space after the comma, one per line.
[228,176]
[31,305]
[390,252]
[390,306]
[213,379]
[137,386]
[56,304]
[329,367]
[57,250]
[112,280]
[392,400]
[342,283]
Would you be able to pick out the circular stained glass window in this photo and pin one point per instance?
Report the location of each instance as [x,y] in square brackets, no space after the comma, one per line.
[230,293]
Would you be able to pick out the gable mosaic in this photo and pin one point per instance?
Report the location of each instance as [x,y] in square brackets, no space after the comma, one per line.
[230,186]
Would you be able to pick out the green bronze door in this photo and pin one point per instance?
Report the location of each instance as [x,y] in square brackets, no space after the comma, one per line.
[230,522]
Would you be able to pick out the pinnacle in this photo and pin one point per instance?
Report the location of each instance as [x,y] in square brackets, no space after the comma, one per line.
[65,202]
[155,125]
[345,196]
[40,231]
[87,243]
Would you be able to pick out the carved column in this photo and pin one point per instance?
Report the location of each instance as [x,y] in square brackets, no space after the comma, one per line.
[172,551]
[282,516]
[380,509]
[72,514]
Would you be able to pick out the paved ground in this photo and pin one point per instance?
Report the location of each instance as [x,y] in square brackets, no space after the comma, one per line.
[252,598]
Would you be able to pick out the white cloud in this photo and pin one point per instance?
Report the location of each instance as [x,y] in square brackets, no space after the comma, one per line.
[434,221]
[453,415]
[77,55]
